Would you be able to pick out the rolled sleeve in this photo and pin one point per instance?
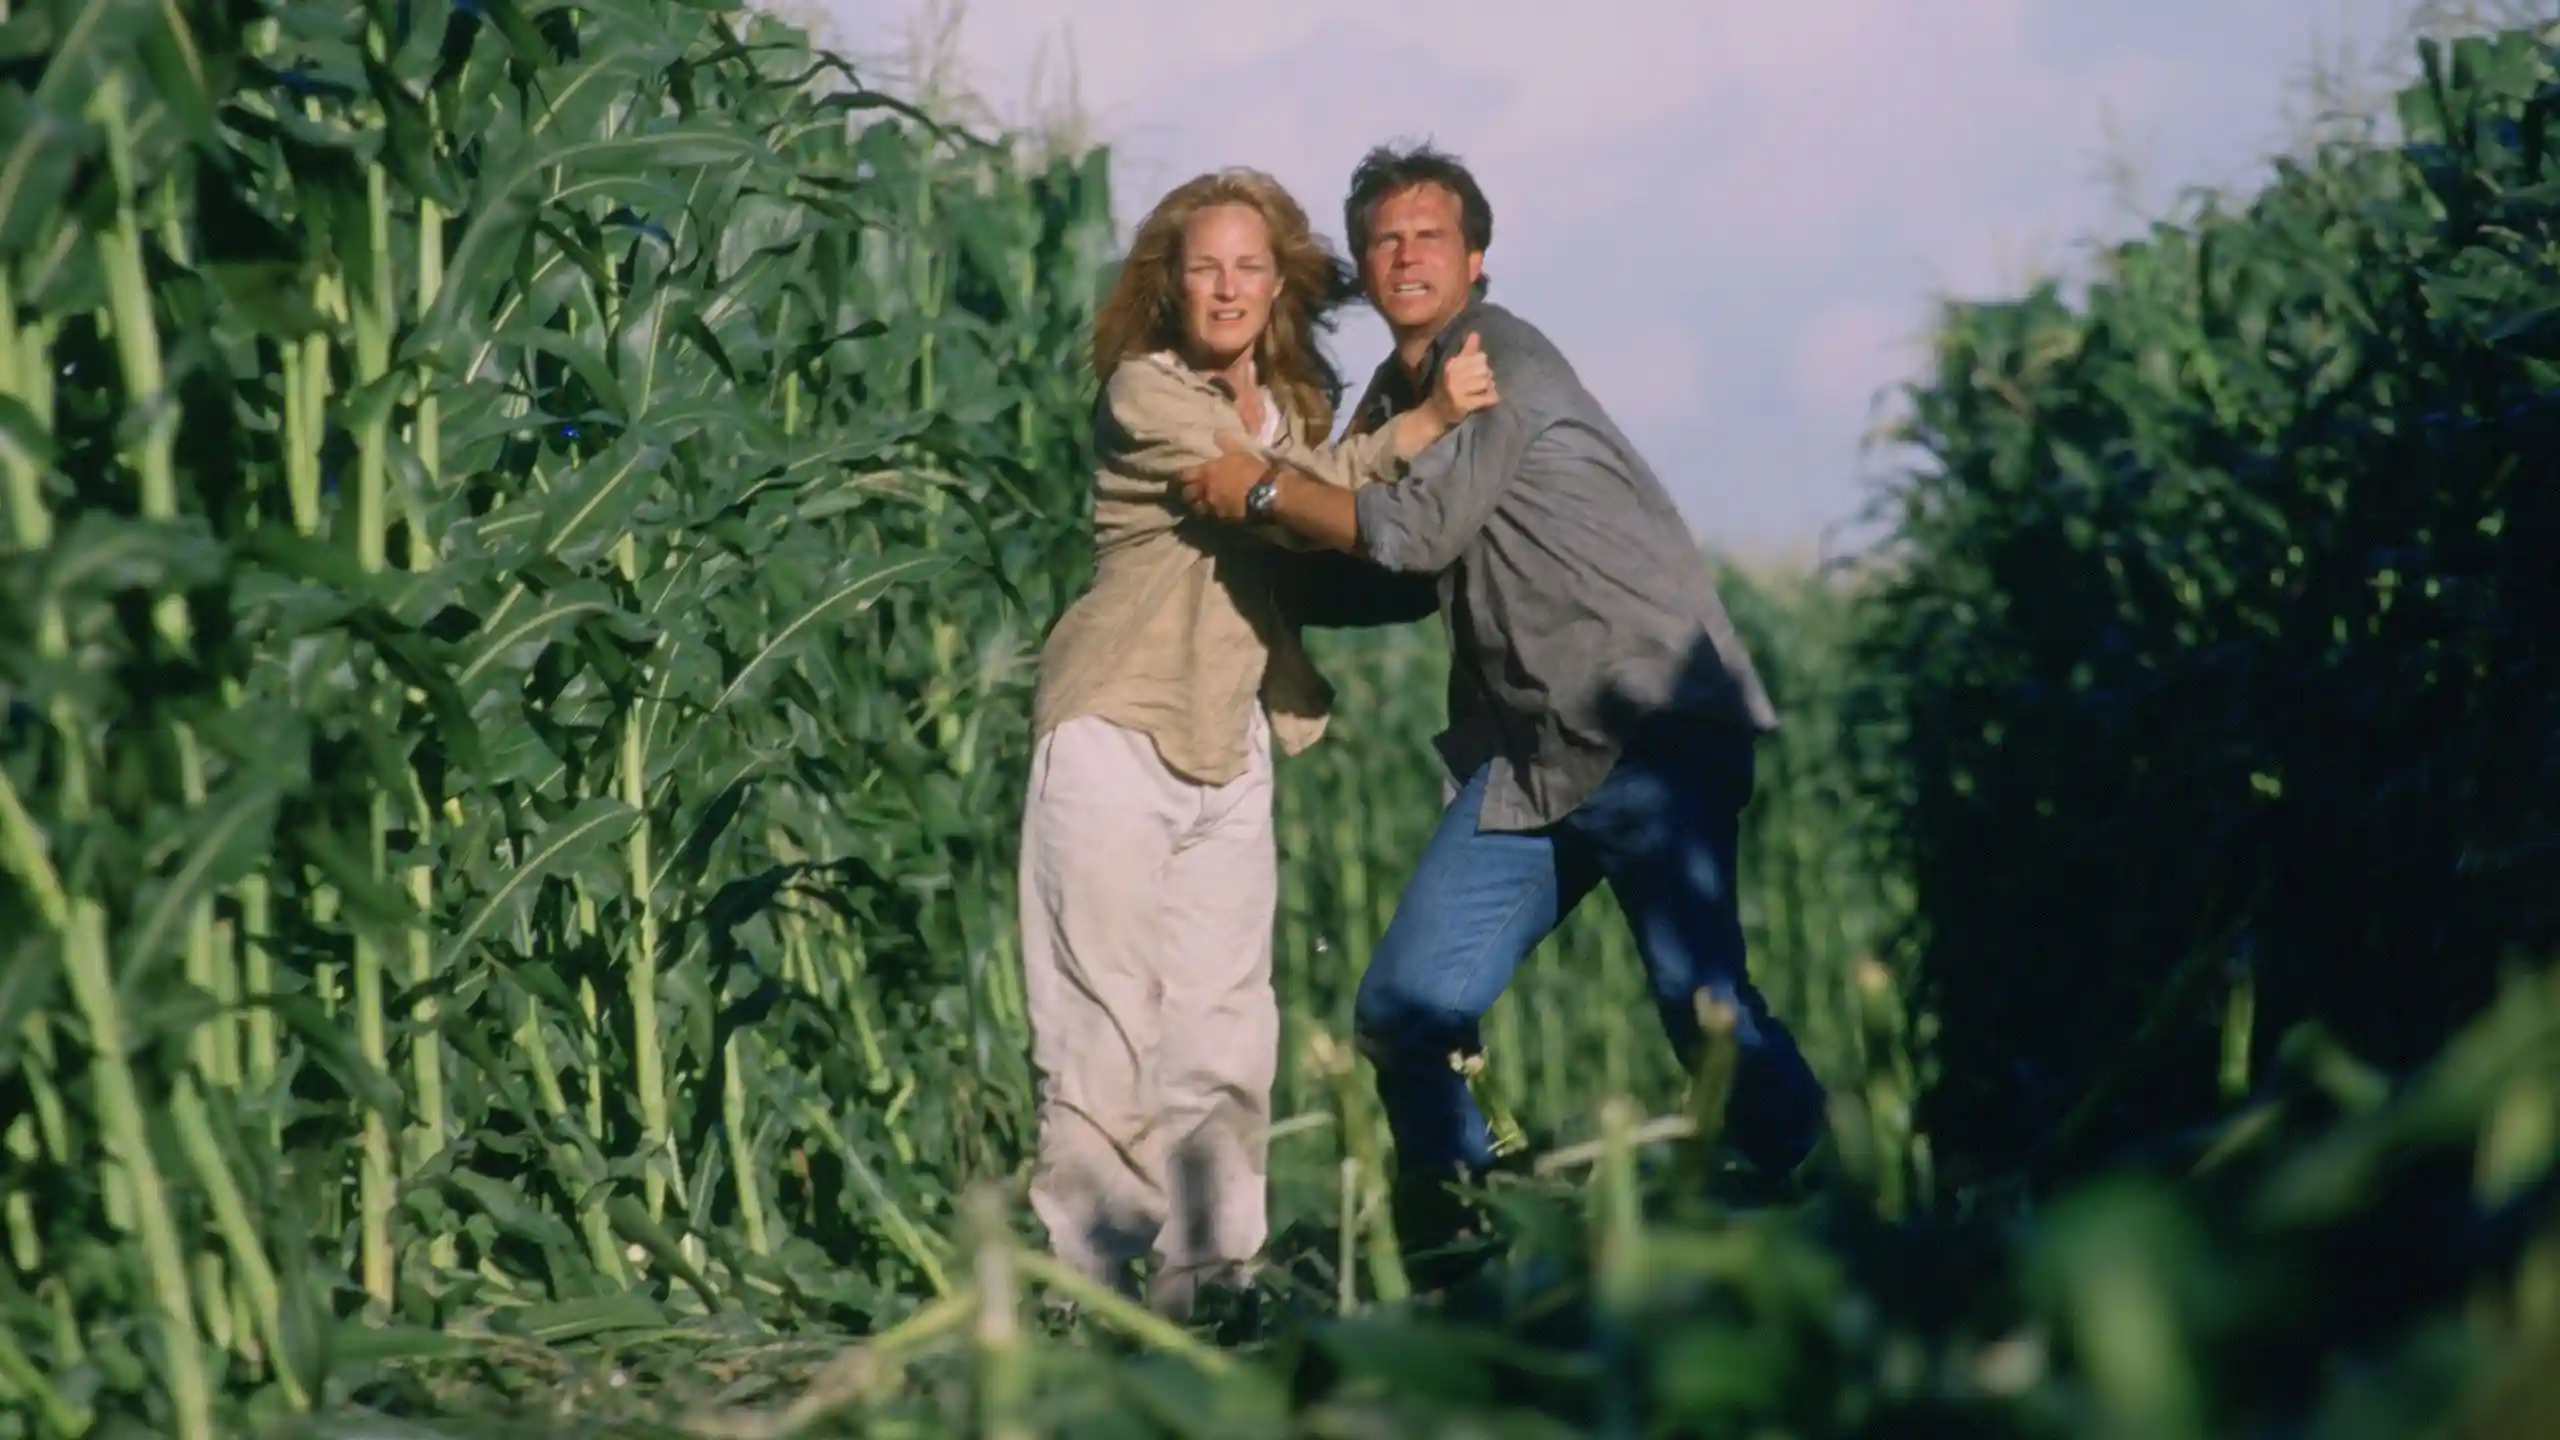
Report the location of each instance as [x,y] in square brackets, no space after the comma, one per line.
[1425,520]
[1157,424]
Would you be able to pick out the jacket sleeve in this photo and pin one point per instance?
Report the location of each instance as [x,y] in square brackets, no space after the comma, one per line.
[1424,521]
[1153,425]
[1328,590]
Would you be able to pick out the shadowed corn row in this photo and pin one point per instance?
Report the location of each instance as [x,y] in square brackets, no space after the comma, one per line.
[2213,687]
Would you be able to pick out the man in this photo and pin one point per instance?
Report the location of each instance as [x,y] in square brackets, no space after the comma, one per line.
[1602,711]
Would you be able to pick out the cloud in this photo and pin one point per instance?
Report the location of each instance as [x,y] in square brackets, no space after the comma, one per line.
[1726,212]
[1654,372]
[1808,105]
[1847,353]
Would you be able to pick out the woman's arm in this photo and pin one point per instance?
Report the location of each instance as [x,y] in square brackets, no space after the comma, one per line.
[1161,421]
[1417,429]
[1155,421]
[1464,386]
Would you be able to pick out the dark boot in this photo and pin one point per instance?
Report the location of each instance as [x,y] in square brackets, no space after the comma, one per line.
[1444,1237]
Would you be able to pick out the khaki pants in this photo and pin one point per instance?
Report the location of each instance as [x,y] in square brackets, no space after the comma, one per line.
[1147,904]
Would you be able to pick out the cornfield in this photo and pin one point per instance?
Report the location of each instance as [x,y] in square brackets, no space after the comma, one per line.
[569,462]
[2216,690]
[527,529]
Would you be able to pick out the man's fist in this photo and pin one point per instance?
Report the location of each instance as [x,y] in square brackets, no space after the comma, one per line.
[1466,383]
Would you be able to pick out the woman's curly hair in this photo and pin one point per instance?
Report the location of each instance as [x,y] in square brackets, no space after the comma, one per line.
[1143,311]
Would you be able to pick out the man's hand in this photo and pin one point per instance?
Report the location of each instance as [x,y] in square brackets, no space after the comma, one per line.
[1309,509]
[1465,385]
[1217,487]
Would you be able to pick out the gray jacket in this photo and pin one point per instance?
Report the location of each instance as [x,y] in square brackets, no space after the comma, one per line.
[1577,601]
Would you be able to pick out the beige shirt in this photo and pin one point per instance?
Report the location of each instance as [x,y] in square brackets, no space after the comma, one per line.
[1181,633]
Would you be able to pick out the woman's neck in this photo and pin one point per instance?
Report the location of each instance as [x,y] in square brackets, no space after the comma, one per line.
[1237,370]
[1243,382]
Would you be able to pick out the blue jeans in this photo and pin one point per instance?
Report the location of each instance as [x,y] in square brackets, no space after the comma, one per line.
[1662,831]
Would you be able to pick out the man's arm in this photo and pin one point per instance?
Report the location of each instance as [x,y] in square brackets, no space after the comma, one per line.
[1305,509]
[1421,521]
[1159,423]
[1424,521]
[1312,510]
[1418,524]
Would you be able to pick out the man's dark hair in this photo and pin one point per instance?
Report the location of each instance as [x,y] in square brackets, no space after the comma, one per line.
[1386,170]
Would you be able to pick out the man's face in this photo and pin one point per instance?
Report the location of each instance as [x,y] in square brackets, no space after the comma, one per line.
[1417,267]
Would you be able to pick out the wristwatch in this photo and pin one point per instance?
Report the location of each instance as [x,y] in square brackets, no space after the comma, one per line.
[1264,496]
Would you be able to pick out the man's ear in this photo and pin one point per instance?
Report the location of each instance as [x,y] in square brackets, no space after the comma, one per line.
[1475,267]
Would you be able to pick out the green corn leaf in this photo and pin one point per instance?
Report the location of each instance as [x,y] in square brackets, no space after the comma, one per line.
[560,847]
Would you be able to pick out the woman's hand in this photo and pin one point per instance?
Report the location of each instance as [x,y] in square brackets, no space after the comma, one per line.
[1465,385]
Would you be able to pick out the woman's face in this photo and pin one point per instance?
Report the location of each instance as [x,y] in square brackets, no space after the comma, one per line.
[1229,277]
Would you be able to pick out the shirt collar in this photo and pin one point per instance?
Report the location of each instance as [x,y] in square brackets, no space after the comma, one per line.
[1450,336]
[1276,422]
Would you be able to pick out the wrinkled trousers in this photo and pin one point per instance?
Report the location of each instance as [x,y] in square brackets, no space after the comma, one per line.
[1146,906]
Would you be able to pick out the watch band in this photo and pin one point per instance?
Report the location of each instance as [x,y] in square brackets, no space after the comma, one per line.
[1264,494]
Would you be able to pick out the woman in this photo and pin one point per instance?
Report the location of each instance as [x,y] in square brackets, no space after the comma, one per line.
[1148,873]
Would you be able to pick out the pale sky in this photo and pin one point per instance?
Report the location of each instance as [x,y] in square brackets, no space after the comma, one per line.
[1732,216]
